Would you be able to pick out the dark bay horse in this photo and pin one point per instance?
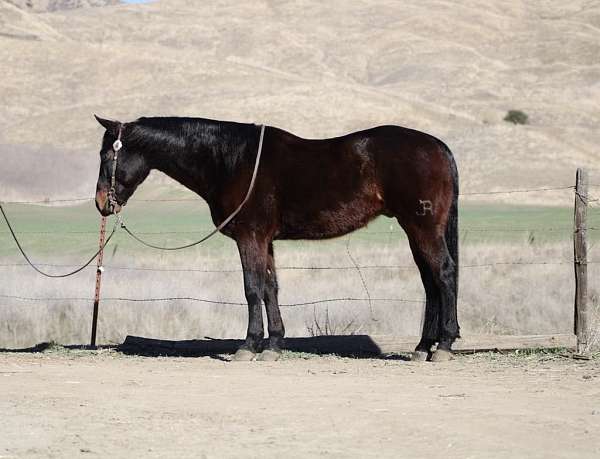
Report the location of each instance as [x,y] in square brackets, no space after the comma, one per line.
[305,189]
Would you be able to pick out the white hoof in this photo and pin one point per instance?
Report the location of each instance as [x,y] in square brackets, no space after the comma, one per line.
[419,356]
[243,355]
[441,355]
[269,355]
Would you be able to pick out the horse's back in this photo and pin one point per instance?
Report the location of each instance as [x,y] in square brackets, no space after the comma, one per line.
[330,187]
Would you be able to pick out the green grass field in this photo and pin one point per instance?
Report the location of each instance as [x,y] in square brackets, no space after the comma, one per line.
[62,231]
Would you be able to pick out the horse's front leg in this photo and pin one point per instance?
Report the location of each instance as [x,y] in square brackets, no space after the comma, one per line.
[275,324]
[253,254]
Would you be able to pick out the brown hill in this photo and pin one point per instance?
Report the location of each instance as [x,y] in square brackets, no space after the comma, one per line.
[56,5]
[317,69]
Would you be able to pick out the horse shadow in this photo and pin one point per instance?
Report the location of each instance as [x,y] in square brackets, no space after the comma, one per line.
[353,346]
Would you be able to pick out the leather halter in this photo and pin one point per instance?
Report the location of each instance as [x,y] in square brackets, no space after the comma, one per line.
[116,147]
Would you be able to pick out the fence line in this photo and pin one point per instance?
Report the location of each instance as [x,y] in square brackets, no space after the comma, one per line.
[355,266]
[204,300]
[528,190]
[52,201]
[364,233]
[468,193]
[296,268]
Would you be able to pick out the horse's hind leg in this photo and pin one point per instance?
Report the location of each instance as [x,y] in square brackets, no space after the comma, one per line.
[438,272]
[275,324]
[448,319]
[430,331]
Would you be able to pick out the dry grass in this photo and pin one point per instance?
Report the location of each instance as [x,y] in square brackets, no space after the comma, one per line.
[503,299]
[446,68]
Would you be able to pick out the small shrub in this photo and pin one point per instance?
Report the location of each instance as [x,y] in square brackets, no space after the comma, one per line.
[323,325]
[516,117]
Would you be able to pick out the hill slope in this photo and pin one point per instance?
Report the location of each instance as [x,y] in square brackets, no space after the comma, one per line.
[317,69]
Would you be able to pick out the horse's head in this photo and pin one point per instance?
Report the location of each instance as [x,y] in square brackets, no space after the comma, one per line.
[131,169]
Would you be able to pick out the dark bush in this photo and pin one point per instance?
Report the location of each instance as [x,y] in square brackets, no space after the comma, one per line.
[516,117]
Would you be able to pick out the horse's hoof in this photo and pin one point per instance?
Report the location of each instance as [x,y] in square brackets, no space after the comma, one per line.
[419,356]
[243,355]
[269,355]
[441,355]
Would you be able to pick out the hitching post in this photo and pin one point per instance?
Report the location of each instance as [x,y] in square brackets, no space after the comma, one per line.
[580,259]
[99,269]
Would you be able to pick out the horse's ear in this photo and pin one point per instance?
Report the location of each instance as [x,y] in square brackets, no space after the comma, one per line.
[109,125]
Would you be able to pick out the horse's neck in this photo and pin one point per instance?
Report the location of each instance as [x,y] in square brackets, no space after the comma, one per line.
[198,162]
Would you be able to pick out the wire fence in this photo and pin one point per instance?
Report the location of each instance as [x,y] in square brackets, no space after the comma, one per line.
[192,199]
[204,300]
[292,268]
[593,203]
[369,233]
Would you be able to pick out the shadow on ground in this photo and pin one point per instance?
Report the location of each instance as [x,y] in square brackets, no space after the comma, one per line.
[357,346]
[48,346]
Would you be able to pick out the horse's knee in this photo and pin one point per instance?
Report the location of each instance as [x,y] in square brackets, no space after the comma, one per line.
[253,296]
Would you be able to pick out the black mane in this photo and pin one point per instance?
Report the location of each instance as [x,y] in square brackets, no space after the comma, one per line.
[223,143]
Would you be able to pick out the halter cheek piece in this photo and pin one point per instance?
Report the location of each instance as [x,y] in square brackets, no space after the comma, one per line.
[116,146]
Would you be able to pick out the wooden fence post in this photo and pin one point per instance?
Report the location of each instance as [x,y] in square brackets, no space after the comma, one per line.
[99,270]
[580,260]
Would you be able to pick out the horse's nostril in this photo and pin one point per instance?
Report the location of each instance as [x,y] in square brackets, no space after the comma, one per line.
[101,200]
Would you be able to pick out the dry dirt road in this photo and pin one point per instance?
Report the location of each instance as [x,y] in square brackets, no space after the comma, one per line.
[105,404]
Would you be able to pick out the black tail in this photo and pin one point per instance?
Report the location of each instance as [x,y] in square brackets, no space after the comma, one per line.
[452,224]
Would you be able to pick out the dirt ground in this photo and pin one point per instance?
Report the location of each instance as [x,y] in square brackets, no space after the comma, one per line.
[101,403]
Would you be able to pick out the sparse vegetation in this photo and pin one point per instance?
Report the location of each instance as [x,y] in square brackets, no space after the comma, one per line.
[516,117]
[323,325]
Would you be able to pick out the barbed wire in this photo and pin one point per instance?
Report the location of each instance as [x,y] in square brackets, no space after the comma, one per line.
[290,267]
[527,190]
[150,233]
[89,199]
[204,300]
[297,268]
[198,199]
[48,201]
[358,234]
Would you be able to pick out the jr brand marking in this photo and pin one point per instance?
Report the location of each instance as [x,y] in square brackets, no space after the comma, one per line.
[426,208]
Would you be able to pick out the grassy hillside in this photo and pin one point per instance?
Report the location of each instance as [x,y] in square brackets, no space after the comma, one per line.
[317,69]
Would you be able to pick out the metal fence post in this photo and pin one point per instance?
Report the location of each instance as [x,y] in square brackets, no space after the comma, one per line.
[99,270]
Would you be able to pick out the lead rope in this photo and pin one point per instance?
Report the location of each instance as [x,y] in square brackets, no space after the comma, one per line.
[119,222]
[111,199]
[224,222]
[56,275]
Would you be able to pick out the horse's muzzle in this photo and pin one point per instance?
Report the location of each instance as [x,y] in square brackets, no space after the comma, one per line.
[103,205]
